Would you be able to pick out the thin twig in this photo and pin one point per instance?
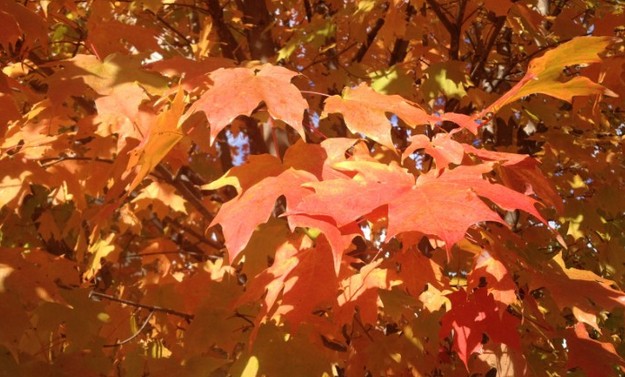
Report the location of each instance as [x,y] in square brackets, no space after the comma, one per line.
[329,57]
[524,59]
[186,316]
[207,241]
[315,93]
[136,334]
[476,75]
[47,162]
[308,10]
[184,190]
[229,46]
[362,326]
[173,29]
[400,47]
[176,252]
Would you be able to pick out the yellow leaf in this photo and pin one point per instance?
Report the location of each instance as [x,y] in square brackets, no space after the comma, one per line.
[577,182]
[448,78]
[251,368]
[546,74]
[100,249]
[159,141]
[162,197]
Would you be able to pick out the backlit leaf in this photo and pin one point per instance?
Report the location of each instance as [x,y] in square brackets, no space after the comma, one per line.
[239,91]
[367,112]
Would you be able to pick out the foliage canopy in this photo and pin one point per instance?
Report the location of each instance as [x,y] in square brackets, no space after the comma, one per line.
[312,187]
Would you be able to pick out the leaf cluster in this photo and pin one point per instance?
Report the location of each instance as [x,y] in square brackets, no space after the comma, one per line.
[320,187]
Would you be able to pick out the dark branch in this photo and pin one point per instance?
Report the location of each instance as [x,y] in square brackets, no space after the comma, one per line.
[171,28]
[184,190]
[478,70]
[229,45]
[400,49]
[441,16]
[308,10]
[362,51]
[186,316]
[47,162]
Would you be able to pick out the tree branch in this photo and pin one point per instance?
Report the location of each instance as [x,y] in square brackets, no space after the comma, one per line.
[401,45]
[362,51]
[454,29]
[478,70]
[259,39]
[184,190]
[441,16]
[186,316]
[308,10]
[229,46]
[47,162]
[207,241]
[454,44]
[173,29]
[329,57]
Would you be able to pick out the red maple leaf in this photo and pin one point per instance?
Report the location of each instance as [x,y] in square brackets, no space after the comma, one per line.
[473,316]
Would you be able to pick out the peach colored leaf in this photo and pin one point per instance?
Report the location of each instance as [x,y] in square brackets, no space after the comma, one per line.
[365,111]
[239,91]
[373,185]
[338,241]
[240,216]
[120,107]
[447,205]
[193,74]
[442,148]
[444,206]
[464,121]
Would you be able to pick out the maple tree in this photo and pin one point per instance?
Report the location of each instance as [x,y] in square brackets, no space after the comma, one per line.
[315,187]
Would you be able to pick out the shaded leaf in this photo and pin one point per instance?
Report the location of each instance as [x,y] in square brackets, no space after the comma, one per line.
[472,316]
[597,359]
